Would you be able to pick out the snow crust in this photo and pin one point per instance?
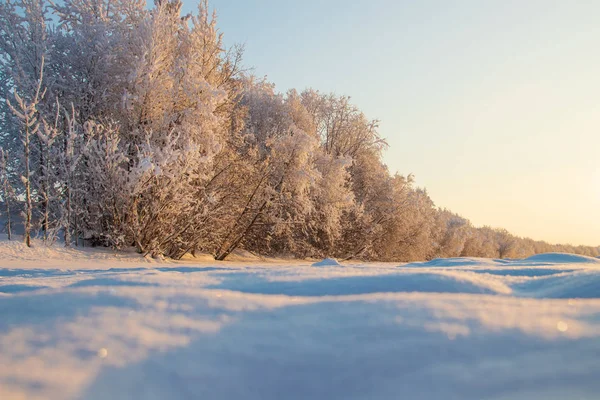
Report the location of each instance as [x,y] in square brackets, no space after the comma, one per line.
[92,324]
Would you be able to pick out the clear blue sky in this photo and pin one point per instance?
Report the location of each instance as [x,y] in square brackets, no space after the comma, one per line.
[493,105]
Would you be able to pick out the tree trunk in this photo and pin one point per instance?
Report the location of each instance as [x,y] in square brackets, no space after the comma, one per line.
[27,237]
[67,223]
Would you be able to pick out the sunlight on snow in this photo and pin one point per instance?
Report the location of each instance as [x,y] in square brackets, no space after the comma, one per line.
[81,325]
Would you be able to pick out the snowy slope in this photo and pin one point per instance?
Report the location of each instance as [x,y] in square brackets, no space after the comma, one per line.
[95,325]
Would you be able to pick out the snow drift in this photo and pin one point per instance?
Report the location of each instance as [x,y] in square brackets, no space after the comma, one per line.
[328,262]
[536,260]
[561,258]
[97,325]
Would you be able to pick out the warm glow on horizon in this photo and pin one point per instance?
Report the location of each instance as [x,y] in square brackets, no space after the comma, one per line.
[492,105]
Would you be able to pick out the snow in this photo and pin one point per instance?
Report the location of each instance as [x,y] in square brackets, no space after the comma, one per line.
[92,324]
[536,260]
[328,262]
[562,258]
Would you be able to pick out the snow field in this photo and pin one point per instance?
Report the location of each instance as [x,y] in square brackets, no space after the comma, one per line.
[95,325]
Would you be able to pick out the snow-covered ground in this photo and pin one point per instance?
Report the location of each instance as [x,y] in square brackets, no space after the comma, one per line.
[98,325]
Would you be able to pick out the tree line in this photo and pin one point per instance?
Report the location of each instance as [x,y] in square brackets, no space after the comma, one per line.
[125,125]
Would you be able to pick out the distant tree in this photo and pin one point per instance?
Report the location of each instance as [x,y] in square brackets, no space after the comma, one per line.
[450,234]
[506,243]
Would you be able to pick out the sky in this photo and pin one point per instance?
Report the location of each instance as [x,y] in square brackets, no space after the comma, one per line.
[494,105]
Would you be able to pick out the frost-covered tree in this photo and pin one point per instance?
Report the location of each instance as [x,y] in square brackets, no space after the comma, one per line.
[27,113]
[8,195]
[151,135]
[506,243]
[68,160]
[333,202]
[279,163]
[47,135]
[154,118]
[300,191]
[343,128]
[450,232]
